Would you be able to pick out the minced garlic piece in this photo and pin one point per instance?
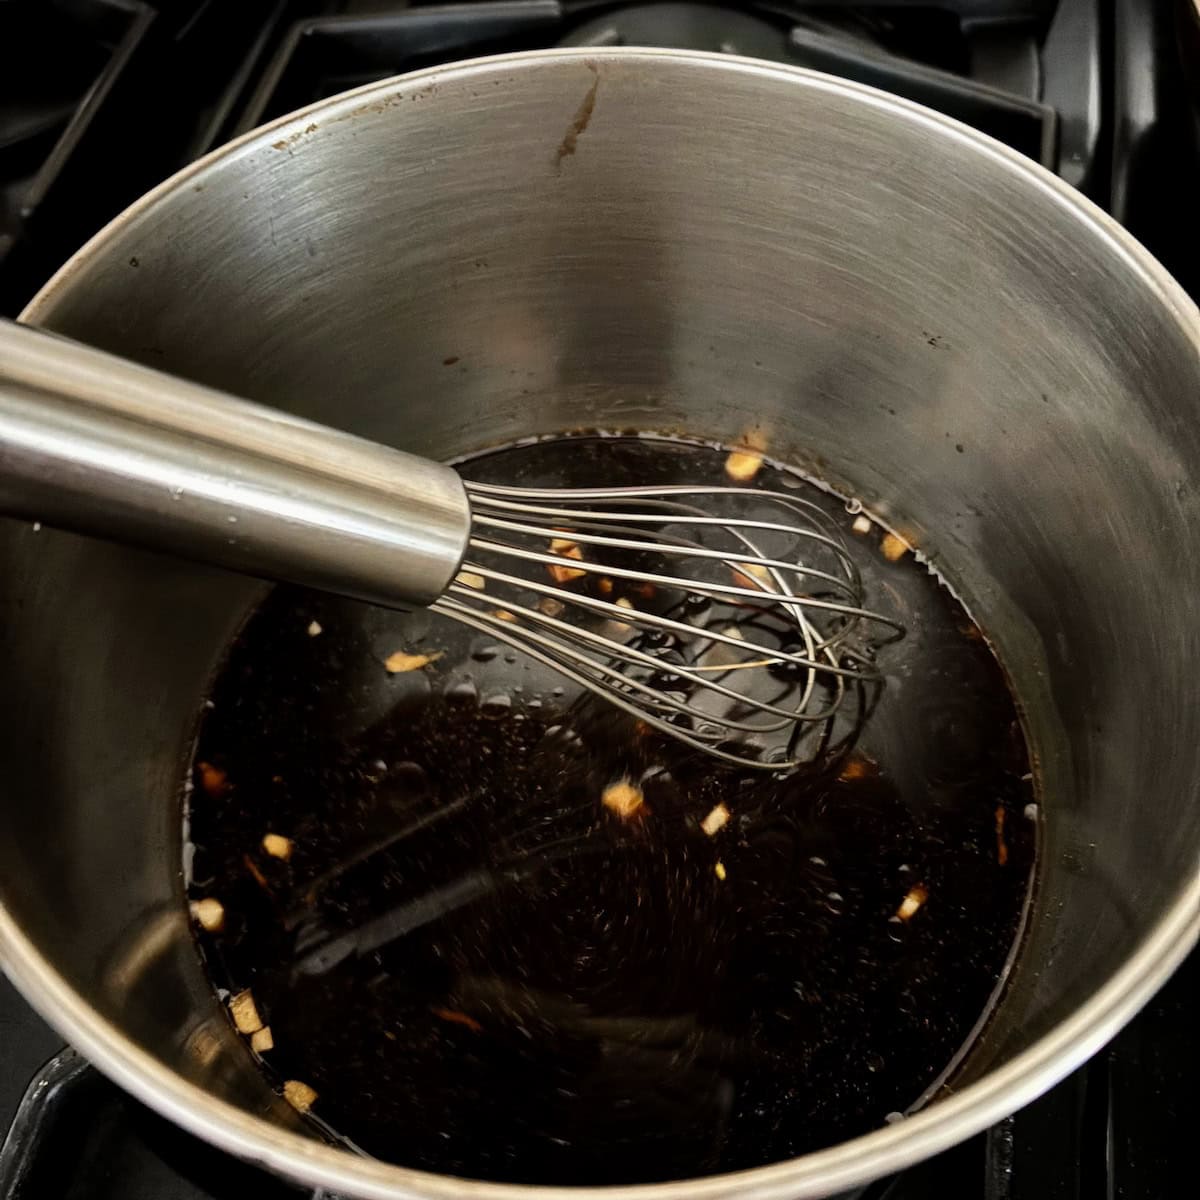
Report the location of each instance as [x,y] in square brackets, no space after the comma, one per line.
[862,524]
[394,664]
[261,1040]
[743,465]
[893,548]
[719,870]
[565,548]
[917,895]
[244,1012]
[299,1095]
[621,626]
[471,579]
[623,798]
[314,629]
[277,846]
[716,820]
[208,913]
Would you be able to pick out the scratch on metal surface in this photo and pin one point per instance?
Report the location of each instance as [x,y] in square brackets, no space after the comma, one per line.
[288,142]
[583,118]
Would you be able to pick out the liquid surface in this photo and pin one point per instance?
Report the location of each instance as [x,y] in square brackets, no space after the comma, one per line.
[482,969]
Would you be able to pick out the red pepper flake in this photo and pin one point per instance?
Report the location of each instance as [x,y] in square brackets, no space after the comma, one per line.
[212,779]
[858,766]
[753,576]
[1001,847]
[457,1018]
[256,874]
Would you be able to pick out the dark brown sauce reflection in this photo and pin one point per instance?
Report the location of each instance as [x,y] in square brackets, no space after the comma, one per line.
[482,971]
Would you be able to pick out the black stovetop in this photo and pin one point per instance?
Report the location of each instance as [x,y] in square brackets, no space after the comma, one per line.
[101,99]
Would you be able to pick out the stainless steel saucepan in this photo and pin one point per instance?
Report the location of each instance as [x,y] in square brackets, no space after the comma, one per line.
[673,242]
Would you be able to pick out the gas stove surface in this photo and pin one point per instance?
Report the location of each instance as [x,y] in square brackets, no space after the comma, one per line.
[101,99]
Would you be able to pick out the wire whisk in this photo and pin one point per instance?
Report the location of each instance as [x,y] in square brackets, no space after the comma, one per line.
[731,619]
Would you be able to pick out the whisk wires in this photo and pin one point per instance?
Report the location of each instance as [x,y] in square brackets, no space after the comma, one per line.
[732,619]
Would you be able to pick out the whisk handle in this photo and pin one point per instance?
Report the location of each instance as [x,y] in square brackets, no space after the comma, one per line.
[98,445]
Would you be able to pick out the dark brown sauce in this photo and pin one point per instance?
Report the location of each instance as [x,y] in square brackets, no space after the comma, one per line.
[482,971]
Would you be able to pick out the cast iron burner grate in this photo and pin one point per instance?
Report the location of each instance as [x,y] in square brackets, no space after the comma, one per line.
[59,65]
[101,99]
[927,58]
[977,60]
